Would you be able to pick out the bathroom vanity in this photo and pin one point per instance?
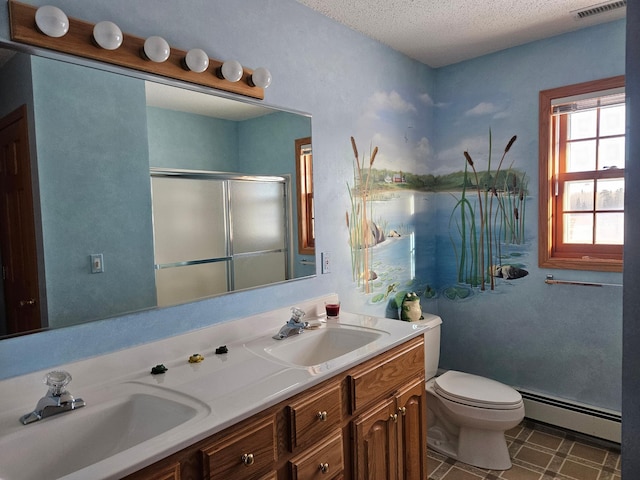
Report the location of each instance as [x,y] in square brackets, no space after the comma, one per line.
[365,423]
[344,399]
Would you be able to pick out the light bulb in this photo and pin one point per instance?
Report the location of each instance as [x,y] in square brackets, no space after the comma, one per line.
[107,35]
[197,60]
[232,70]
[156,49]
[261,77]
[52,21]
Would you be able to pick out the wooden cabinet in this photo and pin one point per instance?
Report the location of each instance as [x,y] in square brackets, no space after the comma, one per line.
[412,444]
[366,423]
[390,436]
[376,443]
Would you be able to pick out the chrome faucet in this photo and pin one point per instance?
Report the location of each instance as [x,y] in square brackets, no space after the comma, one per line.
[57,400]
[294,326]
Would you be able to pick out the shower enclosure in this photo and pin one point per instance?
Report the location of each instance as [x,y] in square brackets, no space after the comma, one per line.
[218,232]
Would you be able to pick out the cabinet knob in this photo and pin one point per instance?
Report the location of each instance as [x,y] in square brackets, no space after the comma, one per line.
[322,416]
[25,303]
[402,411]
[324,467]
[393,417]
[248,459]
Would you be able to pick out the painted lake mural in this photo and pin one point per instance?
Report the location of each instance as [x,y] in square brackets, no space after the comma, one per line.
[476,220]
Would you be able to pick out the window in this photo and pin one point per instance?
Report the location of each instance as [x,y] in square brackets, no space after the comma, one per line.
[304,183]
[582,160]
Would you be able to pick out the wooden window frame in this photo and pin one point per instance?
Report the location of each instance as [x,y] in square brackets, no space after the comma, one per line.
[304,185]
[603,258]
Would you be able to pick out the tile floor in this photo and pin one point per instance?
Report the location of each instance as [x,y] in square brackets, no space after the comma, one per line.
[539,452]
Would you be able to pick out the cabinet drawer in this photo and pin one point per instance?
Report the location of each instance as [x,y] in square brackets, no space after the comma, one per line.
[322,461]
[158,471]
[245,454]
[312,417]
[385,374]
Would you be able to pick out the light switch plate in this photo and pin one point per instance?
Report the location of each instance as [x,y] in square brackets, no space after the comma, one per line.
[97,263]
[326,262]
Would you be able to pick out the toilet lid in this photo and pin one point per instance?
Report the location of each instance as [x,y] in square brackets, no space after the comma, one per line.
[476,391]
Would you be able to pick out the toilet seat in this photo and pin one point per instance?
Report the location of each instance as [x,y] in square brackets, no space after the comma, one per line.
[476,391]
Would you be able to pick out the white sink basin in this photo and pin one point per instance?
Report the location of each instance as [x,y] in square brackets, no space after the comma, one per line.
[315,347]
[65,443]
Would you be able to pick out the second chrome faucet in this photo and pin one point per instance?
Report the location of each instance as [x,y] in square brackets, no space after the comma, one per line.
[294,326]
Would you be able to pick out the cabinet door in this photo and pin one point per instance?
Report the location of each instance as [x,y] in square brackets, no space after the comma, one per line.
[375,435]
[412,442]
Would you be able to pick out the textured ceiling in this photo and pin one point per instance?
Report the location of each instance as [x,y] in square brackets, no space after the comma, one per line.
[442,32]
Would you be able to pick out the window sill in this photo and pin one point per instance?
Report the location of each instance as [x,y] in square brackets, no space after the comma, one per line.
[594,264]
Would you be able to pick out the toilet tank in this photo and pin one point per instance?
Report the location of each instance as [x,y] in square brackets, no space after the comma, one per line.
[431,343]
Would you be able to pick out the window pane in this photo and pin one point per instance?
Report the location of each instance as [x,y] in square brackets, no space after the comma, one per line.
[610,194]
[581,156]
[578,228]
[610,228]
[583,124]
[578,195]
[611,153]
[612,120]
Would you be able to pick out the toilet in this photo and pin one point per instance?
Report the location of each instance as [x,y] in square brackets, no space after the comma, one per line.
[467,415]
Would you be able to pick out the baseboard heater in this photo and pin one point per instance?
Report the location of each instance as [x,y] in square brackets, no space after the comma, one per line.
[585,419]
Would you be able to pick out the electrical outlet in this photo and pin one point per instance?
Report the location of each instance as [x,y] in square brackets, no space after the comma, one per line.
[97,263]
[326,262]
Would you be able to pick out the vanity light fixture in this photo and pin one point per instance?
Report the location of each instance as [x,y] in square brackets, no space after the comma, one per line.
[231,70]
[196,60]
[52,21]
[156,49]
[261,77]
[151,55]
[107,35]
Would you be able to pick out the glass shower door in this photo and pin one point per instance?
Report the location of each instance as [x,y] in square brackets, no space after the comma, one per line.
[259,232]
[190,231]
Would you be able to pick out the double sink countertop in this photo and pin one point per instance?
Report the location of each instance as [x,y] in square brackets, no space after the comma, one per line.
[199,398]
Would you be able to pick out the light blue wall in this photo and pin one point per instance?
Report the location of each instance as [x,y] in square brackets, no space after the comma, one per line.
[566,343]
[196,142]
[96,177]
[558,340]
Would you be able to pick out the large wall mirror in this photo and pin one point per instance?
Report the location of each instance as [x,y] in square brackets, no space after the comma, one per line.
[96,142]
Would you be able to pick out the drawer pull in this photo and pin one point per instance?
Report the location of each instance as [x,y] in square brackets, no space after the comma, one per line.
[248,459]
[393,417]
[402,411]
[322,416]
[324,467]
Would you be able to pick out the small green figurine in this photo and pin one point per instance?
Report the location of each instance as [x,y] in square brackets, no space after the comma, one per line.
[410,310]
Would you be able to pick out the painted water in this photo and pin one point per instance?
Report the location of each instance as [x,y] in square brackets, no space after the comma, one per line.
[423,258]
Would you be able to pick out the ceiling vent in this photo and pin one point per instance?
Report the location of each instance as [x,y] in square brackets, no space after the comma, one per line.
[598,9]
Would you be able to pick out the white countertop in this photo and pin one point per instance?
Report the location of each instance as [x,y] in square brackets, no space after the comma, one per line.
[227,388]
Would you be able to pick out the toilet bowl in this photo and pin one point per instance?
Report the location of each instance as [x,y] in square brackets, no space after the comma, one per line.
[467,414]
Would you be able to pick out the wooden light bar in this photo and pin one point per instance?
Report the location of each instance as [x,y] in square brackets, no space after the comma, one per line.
[79,41]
